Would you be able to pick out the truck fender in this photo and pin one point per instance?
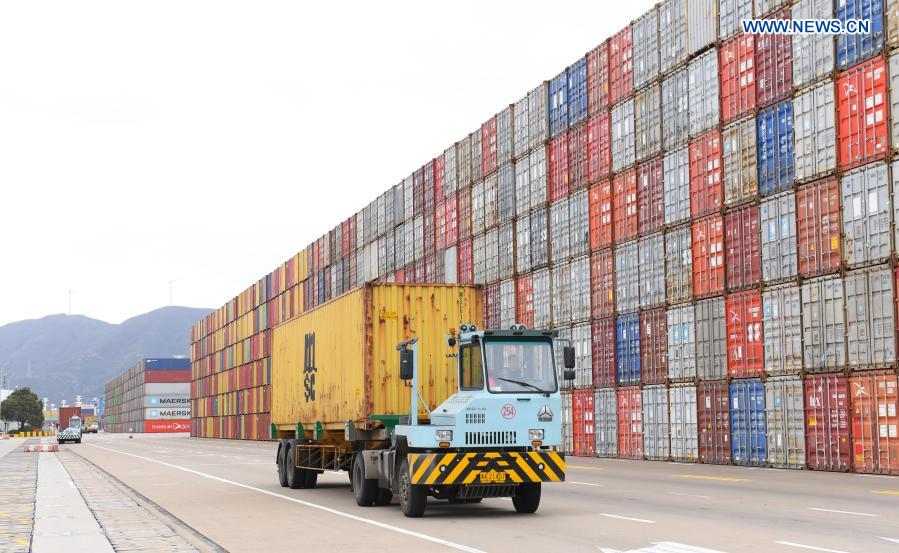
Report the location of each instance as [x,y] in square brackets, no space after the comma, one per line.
[372,468]
[401,448]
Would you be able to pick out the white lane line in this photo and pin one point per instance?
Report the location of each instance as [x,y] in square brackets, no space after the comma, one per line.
[894,540]
[842,512]
[874,476]
[812,547]
[397,529]
[628,518]
[583,483]
[690,495]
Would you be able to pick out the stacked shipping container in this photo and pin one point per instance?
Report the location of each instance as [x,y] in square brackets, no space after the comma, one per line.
[707,215]
[151,396]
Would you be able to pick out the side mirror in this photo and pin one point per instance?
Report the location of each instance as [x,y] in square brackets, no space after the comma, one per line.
[406,361]
[568,353]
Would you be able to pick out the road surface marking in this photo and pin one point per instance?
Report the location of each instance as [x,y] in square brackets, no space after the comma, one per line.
[690,495]
[584,483]
[584,467]
[886,492]
[874,476]
[894,540]
[382,525]
[628,518]
[663,547]
[842,512]
[718,478]
[803,546]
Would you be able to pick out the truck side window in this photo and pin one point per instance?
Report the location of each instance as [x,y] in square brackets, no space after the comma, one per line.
[472,376]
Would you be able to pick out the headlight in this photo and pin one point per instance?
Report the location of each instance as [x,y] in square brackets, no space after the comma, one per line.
[535,434]
[444,435]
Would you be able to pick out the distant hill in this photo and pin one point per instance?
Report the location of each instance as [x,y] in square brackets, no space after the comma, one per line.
[61,356]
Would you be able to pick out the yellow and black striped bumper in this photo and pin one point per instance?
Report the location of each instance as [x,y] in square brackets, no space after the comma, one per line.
[486,468]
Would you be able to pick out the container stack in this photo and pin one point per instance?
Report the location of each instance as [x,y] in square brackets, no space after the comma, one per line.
[707,216]
[151,396]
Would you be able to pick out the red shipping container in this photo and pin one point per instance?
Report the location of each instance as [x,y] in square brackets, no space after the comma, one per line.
[818,228]
[602,284]
[630,423]
[488,146]
[177,376]
[179,425]
[773,64]
[599,147]
[621,66]
[492,311]
[464,217]
[737,63]
[524,300]
[653,346]
[742,256]
[604,353]
[827,422]
[598,78]
[706,192]
[713,418]
[440,226]
[651,196]
[558,167]
[708,257]
[466,267]
[577,157]
[601,215]
[875,422]
[399,277]
[743,318]
[439,175]
[582,422]
[862,114]
[450,223]
[625,212]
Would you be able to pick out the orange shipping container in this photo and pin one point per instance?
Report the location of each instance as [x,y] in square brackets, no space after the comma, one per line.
[601,215]
[743,317]
[818,227]
[602,284]
[875,442]
[862,123]
[708,256]
[706,193]
[743,255]
[625,212]
[630,423]
[737,62]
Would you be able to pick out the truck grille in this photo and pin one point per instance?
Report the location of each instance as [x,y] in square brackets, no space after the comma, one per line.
[475,418]
[491,438]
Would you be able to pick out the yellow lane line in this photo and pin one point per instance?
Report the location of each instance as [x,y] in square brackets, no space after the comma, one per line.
[886,492]
[718,478]
[583,467]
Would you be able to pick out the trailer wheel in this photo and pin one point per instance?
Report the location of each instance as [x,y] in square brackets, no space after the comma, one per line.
[365,490]
[282,468]
[527,497]
[295,478]
[384,497]
[413,498]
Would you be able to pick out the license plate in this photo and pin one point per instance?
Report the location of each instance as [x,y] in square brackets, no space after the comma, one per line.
[493,477]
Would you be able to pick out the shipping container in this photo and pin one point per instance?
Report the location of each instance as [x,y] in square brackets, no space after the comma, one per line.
[579,223]
[524,300]
[775,148]
[742,251]
[870,319]
[815,132]
[676,108]
[577,156]
[567,423]
[605,422]
[765,7]
[708,256]
[653,346]
[656,437]
[488,146]
[539,238]
[630,423]
[540,280]
[474,140]
[621,65]
[599,148]
[582,342]
[602,284]
[891,24]
[623,137]
[646,48]
[538,115]
[560,285]
[652,271]
[601,223]
[681,343]
[579,291]
[778,237]
[823,324]
[505,193]
[520,136]
[463,161]
[678,265]
[773,64]
[558,104]
[583,431]
[862,121]
[538,178]
[782,329]
[650,196]
[491,203]
[702,24]
[504,138]
[743,313]
[713,419]
[706,191]
[867,212]
[737,61]
[827,440]
[704,92]
[738,142]
[672,34]
[875,422]
[624,193]
[894,79]
[604,356]
[598,78]
[648,122]
[627,348]
[730,15]
[577,91]
[857,47]
[684,428]
[559,175]
[505,245]
[627,277]
[677,186]
[522,170]
[785,422]
[711,339]
[559,231]
[818,227]
[747,422]
[813,56]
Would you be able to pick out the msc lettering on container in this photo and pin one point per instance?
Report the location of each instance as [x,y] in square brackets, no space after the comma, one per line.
[309,368]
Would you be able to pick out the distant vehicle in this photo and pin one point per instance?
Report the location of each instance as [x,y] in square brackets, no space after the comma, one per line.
[91,425]
[93,428]
[69,435]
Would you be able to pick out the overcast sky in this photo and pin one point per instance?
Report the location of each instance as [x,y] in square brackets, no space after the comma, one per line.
[142,142]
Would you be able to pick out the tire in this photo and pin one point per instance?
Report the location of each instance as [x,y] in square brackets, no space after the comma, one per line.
[295,478]
[527,497]
[78,441]
[383,497]
[282,470]
[413,498]
[311,479]
[365,490]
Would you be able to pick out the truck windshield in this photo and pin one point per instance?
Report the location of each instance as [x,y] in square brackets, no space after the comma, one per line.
[520,366]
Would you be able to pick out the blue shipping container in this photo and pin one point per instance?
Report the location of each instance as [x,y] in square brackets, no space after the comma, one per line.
[172,364]
[627,346]
[577,91]
[775,148]
[558,104]
[856,48]
[747,422]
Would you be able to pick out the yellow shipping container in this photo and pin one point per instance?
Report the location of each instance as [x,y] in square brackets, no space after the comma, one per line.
[339,362]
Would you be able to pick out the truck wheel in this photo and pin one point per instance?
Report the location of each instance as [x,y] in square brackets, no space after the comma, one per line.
[295,478]
[282,468]
[527,497]
[311,479]
[413,498]
[384,497]
[365,490]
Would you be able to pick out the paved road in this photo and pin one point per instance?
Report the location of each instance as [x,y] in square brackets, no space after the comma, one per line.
[227,490]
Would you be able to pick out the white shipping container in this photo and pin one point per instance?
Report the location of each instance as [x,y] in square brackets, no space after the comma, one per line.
[764,7]
[704,92]
[450,178]
[523,245]
[580,289]
[399,209]
[778,237]
[579,223]
[166,413]
[869,318]
[711,339]
[785,422]
[646,48]
[491,255]
[451,265]
[627,277]
[676,109]
[537,161]
[678,265]
[560,293]
[656,439]
[538,115]
[506,250]
[730,14]
[652,271]
[409,242]
[504,136]
[559,231]
[582,342]
[814,133]
[567,428]
[782,329]
[360,229]
[741,181]
[408,207]
[370,266]
[605,421]
[823,324]
[648,122]
[520,138]
[681,343]
[418,230]
[672,34]
[894,99]
[168,401]
[478,210]
[381,214]
[474,140]
[676,166]
[522,186]
[463,161]
[623,135]
[540,282]
[539,239]
[684,426]
[479,258]
[867,215]
[812,54]
[360,268]
[702,28]
[167,389]
[507,314]
[505,190]
[491,205]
